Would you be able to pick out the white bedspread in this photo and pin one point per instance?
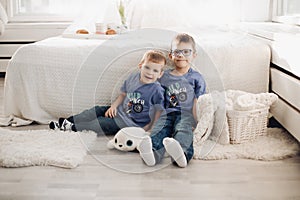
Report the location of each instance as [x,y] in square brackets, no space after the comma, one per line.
[59,76]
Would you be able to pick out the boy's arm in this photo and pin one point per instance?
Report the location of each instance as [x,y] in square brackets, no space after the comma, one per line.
[112,111]
[195,110]
[158,100]
[200,89]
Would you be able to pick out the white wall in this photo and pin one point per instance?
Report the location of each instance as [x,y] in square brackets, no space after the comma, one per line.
[250,10]
[166,13]
[256,10]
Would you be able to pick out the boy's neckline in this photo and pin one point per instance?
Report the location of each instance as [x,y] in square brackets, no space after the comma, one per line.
[175,72]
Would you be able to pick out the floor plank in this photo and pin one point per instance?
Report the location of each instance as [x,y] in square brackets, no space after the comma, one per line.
[219,179]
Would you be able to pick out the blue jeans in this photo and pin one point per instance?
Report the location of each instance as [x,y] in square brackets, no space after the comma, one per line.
[94,119]
[178,126]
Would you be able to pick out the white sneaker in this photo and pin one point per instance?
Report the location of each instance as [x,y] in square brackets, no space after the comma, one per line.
[66,125]
[54,125]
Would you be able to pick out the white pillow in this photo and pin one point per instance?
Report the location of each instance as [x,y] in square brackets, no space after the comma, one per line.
[220,131]
[212,121]
[205,116]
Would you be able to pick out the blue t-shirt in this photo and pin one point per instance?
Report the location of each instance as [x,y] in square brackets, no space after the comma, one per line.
[180,91]
[141,101]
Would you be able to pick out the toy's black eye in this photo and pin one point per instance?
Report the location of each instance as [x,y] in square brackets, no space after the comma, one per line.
[116,141]
[129,143]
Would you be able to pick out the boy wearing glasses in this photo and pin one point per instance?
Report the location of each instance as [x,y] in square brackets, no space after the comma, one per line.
[183,85]
[140,103]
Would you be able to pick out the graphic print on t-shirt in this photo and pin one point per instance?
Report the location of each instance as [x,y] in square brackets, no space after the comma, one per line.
[176,94]
[135,103]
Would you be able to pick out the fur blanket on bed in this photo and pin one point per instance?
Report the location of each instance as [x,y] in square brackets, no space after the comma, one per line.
[212,108]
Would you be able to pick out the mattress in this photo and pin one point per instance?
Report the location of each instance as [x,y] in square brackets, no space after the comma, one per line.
[284,40]
[61,76]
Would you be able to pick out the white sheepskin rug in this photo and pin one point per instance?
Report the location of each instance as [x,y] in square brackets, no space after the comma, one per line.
[277,144]
[43,148]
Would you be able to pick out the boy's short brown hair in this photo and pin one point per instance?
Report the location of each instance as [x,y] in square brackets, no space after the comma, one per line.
[185,38]
[155,56]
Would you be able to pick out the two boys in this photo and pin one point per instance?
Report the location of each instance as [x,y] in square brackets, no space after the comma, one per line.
[172,132]
[183,85]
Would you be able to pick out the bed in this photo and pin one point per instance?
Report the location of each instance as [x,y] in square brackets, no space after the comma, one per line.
[60,76]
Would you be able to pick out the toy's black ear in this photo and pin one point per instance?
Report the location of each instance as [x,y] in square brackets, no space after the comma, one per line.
[129,143]
[116,140]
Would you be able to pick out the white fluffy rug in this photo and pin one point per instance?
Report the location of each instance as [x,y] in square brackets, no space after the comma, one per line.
[43,147]
[277,144]
[68,149]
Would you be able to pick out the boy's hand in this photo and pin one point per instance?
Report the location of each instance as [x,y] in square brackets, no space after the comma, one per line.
[111,112]
[147,128]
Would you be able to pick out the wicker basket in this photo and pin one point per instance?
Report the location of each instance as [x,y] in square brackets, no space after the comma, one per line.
[247,125]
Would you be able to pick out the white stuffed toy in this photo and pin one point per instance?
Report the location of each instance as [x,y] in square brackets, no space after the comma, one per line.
[127,139]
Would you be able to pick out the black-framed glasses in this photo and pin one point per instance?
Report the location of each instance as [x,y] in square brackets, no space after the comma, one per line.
[185,52]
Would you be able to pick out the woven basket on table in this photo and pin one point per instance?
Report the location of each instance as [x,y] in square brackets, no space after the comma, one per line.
[247,125]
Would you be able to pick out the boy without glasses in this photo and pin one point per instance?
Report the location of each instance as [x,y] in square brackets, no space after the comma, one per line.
[139,104]
[183,85]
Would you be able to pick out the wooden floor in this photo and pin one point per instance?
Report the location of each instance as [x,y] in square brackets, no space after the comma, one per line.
[220,179]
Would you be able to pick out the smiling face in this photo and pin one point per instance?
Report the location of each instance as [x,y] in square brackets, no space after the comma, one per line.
[182,54]
[151,71]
